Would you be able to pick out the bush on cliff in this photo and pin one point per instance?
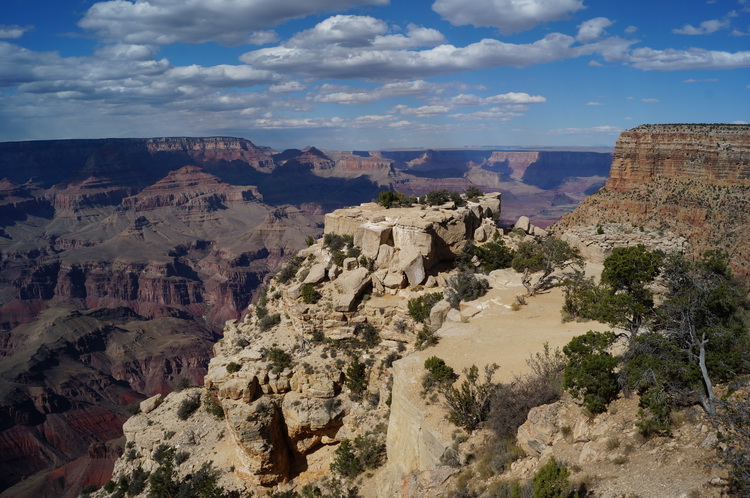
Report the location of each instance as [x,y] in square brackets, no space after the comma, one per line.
[419,307]
[465,286]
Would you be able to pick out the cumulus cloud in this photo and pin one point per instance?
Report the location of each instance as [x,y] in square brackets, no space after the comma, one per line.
[631,30]
[704,28]
[650,100]
[593,29]
[13,31]
[371,62]
[692,58]
[229,22]
[593,103]
[509,16]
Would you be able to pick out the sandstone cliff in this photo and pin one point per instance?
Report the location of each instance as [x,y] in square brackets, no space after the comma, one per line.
[693,180]
[283,419]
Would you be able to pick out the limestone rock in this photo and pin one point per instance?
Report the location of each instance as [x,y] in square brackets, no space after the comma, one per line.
[385,256]
[438,313]
[316,275]
[350,287]
[373,236]
[539,430]
[350,264]
[259,433]
[150,404]
[523,224]
[413,267]
[308,419]
[394,279]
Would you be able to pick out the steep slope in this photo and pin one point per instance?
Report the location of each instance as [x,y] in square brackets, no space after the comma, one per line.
[693,180]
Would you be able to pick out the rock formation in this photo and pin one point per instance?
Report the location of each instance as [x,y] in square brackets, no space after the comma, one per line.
[286,405]
[692,180]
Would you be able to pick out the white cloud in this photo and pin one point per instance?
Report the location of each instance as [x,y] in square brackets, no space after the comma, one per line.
[705,28]
[11,31]
[287,87]
[595,64]
[421,112]
[337,61]
[263,37]
[363,32]
[593,29]
[592,103]
[605,130]
[650,100]
[692,58]
[707,80]
[631,29]
[509,16]
[229,22]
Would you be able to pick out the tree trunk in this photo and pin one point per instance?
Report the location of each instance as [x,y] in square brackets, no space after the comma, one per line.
[711,404]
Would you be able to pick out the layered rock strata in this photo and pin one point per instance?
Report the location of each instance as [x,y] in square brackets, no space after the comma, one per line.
[278,374]
[692,180]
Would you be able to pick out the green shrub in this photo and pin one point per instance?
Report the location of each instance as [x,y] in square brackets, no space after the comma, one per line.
[309,294]
[551,481]
[472,193]
[469,404]
[367,333]
[425,338]
[493,255]
[269,321]
[213,408]
[187,407]
[465,286]
[419,307]
[233,367]
[589,373]
[289,271]
[280,359]
[309,240]
[356,377]
[351,458]
[389,199]
[439,375]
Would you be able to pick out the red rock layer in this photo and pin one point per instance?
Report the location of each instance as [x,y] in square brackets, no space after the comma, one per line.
[693,180]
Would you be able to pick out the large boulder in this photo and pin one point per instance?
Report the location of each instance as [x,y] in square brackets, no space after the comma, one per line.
[308,419]
[316,275]
[412,264]
[350,286]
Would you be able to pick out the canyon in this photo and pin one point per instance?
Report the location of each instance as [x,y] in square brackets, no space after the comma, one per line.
[693,180]
[283,420]
[121,259]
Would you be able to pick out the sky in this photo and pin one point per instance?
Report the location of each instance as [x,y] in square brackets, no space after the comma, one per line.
[370,74]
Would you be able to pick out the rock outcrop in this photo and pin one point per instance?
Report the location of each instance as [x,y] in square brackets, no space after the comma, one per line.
[692,180]
[414,240]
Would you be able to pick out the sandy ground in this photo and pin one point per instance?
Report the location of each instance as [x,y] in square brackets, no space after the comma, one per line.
[493,333]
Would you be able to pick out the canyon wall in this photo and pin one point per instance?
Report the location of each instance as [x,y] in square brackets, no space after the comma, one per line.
[692,180]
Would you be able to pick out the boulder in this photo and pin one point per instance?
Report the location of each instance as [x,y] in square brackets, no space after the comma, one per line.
[539,430]
[150,404]
[350,286]
[394,279]
[385,256]
[333,272]
[258,429]
[523,223]
[308,420]
[373,236]
[438,313]
[350,264]
[316,275]
[413,267]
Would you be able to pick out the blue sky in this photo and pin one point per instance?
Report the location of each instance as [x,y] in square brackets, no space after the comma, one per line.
[370,74]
